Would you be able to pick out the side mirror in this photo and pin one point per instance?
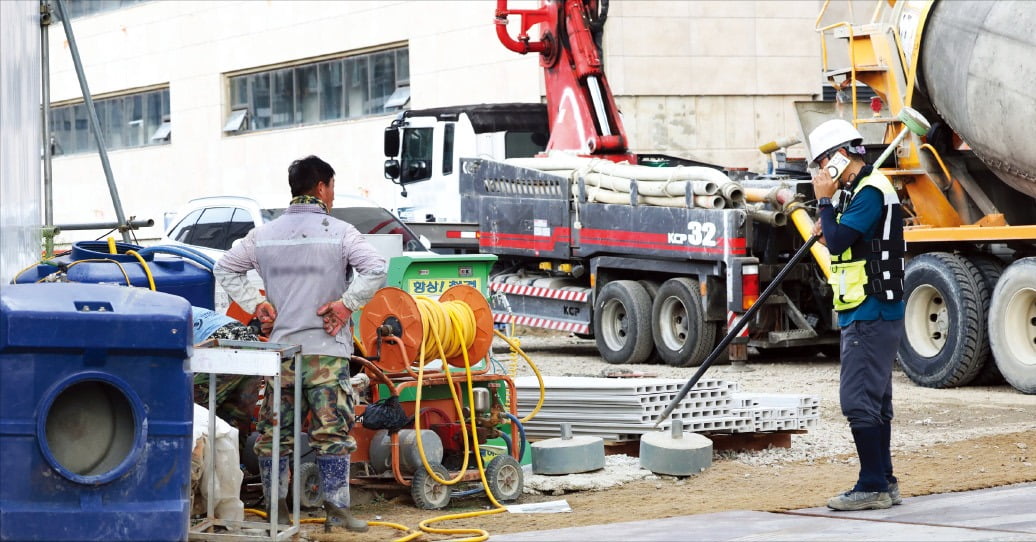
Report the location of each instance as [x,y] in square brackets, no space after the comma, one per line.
[391,142]
[392,169]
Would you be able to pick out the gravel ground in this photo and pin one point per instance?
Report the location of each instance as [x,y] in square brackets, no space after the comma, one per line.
[923,416]
[943,440]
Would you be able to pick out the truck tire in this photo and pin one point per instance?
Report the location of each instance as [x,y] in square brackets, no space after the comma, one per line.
[944,326]
[682,336]
[1012,325]
[622,322]
[651,287]
[990,268]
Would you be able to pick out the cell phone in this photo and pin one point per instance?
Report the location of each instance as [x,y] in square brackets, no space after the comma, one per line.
[836,165]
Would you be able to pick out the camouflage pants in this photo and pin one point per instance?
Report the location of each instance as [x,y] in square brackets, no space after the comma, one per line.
[326,393]
[236,395]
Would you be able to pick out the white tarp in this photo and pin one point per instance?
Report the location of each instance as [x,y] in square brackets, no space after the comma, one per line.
[228,473]
[20,146]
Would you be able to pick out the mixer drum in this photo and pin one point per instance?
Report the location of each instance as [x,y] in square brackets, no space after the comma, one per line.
[979,71]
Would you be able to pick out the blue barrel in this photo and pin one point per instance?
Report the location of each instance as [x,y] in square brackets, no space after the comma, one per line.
[95,421]
[91,262]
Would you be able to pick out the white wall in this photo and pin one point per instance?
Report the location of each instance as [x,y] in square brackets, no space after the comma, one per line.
[705,79]
[190,46]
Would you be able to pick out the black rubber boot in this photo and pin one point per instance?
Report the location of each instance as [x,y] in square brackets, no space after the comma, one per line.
[334,483]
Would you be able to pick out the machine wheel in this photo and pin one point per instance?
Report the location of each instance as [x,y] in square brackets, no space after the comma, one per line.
[309,486]
[427,493]
[944,321]
[622,320]
[505,478]
[651,287]
[682,336]
[1012,325]
[990,268]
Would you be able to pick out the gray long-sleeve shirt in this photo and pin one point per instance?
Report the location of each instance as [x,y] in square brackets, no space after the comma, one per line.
[304,258]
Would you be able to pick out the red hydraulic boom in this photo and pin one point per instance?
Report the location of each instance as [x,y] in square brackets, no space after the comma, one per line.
[581,109]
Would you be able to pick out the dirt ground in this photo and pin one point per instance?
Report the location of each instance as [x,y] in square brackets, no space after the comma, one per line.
[943,441]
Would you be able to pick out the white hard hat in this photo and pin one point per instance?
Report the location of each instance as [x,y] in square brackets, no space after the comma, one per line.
[832,134]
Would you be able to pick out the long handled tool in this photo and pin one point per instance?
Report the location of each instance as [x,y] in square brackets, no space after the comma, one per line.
[912,122]
[741,323]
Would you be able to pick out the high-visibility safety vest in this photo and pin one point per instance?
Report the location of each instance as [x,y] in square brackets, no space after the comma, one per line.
[875,267]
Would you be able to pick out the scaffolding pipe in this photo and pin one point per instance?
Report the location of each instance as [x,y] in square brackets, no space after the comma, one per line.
[48,175]
[123,227]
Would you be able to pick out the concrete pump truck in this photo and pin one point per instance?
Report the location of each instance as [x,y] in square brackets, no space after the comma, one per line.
[657,262]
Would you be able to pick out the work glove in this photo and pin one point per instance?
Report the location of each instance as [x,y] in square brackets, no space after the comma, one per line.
[335,315]
[266,314]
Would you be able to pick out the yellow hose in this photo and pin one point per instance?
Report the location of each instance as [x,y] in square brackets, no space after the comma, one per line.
[480,533]
[515,348]
[398,527]
[143,263]
[111,246]
[433,319]
[437,318]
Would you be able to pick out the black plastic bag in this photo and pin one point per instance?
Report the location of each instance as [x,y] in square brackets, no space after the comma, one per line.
[386,414]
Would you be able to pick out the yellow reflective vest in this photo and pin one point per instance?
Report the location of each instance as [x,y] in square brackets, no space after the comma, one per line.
[871,267]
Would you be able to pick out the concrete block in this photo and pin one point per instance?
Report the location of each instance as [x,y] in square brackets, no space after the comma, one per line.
[675,452]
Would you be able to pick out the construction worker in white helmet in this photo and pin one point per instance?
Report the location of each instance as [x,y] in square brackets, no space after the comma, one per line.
[863,230]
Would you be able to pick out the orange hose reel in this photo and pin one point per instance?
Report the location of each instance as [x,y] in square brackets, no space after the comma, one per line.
[398,310]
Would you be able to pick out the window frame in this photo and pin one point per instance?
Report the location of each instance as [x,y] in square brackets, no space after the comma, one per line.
[130,120]
[346,88]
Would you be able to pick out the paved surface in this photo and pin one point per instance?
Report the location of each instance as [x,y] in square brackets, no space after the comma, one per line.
[1003,513]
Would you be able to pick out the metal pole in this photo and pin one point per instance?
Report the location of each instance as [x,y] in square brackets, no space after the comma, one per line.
[741,323]
[94,123]
[48,176]
[131,224]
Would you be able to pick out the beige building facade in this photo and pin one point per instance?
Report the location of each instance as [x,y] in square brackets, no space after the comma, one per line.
[233,91]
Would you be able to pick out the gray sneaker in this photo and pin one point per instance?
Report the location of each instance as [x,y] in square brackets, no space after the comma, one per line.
[894,493]
[860,500]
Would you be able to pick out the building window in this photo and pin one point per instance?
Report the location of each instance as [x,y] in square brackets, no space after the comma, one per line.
[132,120]
[349,87]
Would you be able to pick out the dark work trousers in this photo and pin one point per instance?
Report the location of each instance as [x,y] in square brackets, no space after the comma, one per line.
[865,386]
[865,390]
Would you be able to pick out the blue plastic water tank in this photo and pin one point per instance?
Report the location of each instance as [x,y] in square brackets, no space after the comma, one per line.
[91,262]
[95,421]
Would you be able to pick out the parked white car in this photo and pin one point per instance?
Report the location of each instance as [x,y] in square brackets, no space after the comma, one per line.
[211,225]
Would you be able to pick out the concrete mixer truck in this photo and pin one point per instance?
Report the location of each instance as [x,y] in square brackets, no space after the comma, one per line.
[969,186]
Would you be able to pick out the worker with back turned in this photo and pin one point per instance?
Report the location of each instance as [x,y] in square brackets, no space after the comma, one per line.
[316,270]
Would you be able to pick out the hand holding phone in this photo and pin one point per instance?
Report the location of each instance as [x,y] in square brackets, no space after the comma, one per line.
[836,165]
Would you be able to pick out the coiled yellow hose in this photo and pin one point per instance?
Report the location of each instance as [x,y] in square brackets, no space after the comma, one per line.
[462,325]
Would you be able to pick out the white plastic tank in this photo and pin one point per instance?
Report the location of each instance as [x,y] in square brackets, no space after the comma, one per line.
[20,146]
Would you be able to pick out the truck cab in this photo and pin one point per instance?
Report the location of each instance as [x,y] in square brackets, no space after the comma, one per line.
[423,149]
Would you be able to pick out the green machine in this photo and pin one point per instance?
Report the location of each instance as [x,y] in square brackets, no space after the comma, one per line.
[433,274]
